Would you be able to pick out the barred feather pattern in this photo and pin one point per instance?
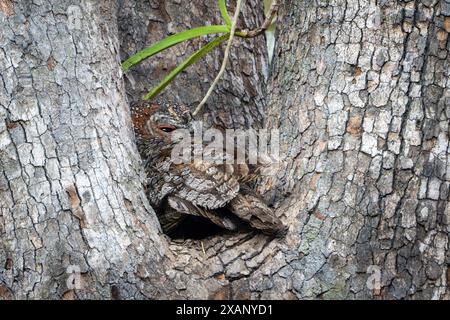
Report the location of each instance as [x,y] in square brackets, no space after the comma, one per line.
[198,188]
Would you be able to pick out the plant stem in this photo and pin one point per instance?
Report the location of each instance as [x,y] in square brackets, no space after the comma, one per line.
[225,58]
[266,24]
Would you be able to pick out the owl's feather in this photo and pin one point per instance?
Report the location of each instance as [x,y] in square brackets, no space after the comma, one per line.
[200,187]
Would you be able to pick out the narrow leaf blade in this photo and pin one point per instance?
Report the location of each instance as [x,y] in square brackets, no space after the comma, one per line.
[170,41]
[224,12]
[186,63]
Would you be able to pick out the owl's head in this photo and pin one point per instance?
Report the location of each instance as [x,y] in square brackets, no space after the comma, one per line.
[159,119]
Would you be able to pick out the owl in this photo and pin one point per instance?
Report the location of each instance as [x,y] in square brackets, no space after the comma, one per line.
[218,191]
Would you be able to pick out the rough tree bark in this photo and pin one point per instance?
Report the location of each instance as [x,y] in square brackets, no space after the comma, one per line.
[359,88]
[365,93]
[70,193]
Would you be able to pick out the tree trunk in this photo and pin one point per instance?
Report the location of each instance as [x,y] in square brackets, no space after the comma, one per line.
[364,91]
[359,90]
[70,192]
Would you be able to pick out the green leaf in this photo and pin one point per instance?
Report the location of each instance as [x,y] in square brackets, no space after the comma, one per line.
[186,63]
[267,4]
[170,41]
[224,12]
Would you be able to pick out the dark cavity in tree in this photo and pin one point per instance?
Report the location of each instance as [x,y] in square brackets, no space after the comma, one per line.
[195,228]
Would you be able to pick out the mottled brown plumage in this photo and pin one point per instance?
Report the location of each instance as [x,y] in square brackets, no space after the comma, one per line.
[217,192]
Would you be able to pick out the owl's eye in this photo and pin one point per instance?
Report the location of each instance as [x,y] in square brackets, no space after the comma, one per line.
[166,128]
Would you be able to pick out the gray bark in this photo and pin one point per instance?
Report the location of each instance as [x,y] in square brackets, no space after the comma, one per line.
[359,89]
[364,86]
[70,192]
